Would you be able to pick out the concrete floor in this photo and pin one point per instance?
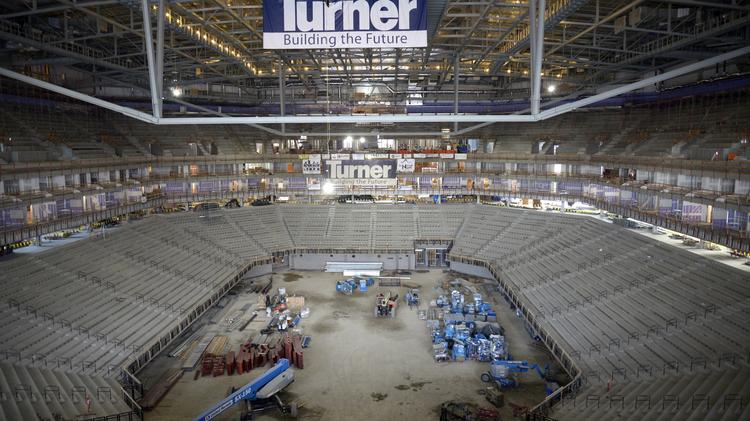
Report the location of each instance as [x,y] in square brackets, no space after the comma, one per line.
[358,367]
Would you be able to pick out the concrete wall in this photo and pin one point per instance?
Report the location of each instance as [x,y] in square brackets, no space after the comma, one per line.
[471,270]
[258,271]
[318,261]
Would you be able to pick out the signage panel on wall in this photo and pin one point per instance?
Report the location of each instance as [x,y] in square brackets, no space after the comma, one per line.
[311,165]
[321,24]
[406,165]
[361,169]
[361,172]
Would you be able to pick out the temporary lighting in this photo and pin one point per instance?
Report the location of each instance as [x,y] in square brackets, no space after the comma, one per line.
[361,140]
[328,188]
[551,88]
[176,91]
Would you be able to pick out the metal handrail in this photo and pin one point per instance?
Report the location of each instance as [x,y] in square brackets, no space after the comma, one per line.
[737,166]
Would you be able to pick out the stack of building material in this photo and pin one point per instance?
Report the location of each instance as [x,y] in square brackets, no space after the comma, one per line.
[297,359]
[197,352]
[154,394]
[230,363]
[247,322]
[208,365]
[261,355]
[185,348]
[291,349]
[244,358]
[217,346]
[295,304]
[219,366]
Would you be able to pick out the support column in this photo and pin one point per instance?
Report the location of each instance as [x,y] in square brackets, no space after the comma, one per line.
[537,54]
[160,54]
[148,39]
[532,50]
[282,94]
[456,69]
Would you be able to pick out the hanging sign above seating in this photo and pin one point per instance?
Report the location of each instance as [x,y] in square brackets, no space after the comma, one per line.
[326,24]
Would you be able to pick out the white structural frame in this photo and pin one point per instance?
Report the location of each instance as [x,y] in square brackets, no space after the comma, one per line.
[536,17]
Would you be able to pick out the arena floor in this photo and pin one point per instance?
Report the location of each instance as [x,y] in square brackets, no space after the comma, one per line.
[357,367]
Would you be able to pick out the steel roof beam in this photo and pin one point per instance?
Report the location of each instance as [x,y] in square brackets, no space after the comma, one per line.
[79,96]
[55,9]
[644,83]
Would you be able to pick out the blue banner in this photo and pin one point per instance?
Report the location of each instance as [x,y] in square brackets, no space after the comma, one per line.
[322,24]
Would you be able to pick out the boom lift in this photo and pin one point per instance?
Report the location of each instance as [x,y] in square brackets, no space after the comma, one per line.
[258,392]
[504,373]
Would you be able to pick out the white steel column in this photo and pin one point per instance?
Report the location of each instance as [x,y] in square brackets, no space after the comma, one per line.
[532,51]
[282,93]
[148,39]
[537,54]
[456,71]
[160,55]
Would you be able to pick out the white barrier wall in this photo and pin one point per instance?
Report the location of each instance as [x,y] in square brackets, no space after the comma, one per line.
[318,261]
[479,271]
[259,270]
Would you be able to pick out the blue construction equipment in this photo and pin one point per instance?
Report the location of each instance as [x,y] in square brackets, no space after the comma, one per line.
[457,302]
[504,373]
[412,298]
[263,388]
[385,305]
[346,286]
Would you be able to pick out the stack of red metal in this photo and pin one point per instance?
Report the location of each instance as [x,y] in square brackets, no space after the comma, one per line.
[208,365]
[291,349]
[251,355]
[297,352]
[219,366]
[230,363]
[245,358]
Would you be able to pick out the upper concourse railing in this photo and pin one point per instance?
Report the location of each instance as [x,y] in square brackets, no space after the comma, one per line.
[729,169]
[732,238]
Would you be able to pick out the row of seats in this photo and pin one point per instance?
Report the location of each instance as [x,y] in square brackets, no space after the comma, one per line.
[631,311]
[30,393]
[626,308]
